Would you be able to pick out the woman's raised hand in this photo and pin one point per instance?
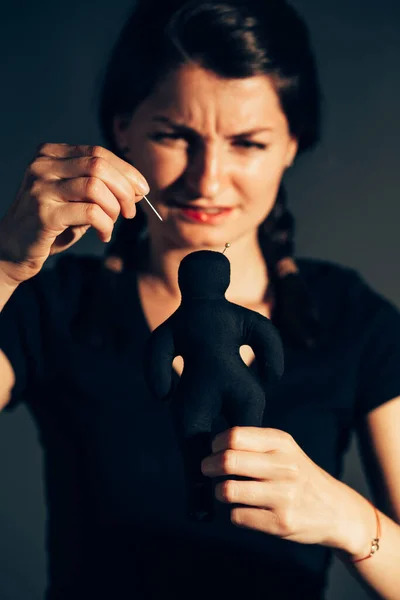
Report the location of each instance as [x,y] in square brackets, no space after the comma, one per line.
[66,189]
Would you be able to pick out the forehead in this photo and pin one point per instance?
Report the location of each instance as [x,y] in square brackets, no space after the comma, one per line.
[198,98]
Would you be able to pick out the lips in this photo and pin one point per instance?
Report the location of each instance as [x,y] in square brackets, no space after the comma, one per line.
[199,207]
[206,216]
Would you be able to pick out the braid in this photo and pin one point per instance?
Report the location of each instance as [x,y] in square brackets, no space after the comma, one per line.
[295,312]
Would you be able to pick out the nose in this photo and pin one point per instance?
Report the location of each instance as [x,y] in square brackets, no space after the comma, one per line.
[205,173]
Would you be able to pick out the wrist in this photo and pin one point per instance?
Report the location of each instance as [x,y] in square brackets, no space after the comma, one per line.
[6,280]
[356,526]
[10,259]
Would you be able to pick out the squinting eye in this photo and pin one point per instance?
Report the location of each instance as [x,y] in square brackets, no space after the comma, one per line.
[248,144]
[158,137]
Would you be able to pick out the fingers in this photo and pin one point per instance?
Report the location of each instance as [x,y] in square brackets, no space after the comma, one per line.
[258,439]
[69,151]
[93,174]
[266,521]
[81,186]
[255,465]
[94,161]
[250,493]
[261,511]
[98,206]
[92,169]
[84,214]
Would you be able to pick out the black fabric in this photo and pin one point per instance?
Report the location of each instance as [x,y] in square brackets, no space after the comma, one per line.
[207,331]
[114,474]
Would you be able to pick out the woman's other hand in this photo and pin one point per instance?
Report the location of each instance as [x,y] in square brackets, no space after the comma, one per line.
[287,494]
[66,189]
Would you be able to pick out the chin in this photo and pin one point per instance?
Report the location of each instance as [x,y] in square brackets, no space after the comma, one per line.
[202,236]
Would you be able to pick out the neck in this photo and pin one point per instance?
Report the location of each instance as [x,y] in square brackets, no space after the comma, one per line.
[249,273]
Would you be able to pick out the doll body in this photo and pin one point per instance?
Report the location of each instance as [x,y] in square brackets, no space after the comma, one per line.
[207,331]
[208,335]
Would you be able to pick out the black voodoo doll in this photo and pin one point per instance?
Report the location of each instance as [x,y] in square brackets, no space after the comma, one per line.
[207,331]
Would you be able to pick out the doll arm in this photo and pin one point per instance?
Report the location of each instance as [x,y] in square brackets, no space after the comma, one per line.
[264,339]
[158,356]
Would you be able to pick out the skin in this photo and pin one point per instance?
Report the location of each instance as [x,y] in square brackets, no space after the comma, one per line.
[288,495]
[208,166]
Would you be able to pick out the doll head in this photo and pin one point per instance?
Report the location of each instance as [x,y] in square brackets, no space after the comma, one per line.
[204,274]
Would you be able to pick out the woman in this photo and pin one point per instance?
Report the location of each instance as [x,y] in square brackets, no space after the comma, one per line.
[203,108]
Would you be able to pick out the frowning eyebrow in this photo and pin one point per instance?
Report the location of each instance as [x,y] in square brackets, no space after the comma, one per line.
[184,128]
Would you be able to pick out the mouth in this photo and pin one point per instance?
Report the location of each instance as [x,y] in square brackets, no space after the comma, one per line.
[202,214]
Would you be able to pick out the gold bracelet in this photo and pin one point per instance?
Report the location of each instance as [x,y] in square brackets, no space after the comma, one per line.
[375,540]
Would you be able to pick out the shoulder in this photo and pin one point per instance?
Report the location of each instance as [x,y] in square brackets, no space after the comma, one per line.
[39,314]
[338,281]
[345,296]
[321,273]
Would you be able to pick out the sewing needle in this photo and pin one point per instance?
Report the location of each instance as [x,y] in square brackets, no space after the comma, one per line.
[151,206]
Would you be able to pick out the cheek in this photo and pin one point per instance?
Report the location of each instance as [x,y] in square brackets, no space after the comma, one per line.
[161,167]
[259,182]
[267,166]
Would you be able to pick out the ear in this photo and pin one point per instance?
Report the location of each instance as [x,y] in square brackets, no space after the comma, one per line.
[293,146]
[120,125]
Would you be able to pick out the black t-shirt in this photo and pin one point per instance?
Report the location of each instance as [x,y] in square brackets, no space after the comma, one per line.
[114,485]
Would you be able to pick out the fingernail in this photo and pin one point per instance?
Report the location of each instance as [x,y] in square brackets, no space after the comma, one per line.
[143,187]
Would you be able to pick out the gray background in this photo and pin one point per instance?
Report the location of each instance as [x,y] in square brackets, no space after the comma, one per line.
[345,195]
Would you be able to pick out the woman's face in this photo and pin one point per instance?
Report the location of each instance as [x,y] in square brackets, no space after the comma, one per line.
[213,152]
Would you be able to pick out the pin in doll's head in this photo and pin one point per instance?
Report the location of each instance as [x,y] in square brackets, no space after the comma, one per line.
[204,274]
